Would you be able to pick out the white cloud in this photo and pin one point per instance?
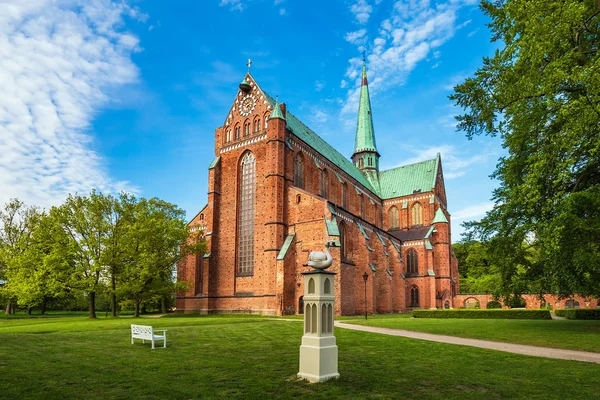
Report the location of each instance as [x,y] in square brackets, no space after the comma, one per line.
[453,81]
[413,32]
[467,22]
[455,163]
[319,116]
[477,210]
[234,5]
[282,11]
[473,32]
[319,85]
[357,37]
[58,62]
[362,11]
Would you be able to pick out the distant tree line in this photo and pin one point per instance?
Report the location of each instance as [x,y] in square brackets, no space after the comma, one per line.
[121,247]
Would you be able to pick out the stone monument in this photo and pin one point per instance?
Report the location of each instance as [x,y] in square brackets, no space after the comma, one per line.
[319,352]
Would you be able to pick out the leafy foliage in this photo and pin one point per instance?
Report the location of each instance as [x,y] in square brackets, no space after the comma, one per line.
[540,93]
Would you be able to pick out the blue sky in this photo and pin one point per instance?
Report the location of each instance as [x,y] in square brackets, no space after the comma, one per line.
[125,95]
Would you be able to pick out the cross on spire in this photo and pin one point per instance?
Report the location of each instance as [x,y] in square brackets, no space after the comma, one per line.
[249,64]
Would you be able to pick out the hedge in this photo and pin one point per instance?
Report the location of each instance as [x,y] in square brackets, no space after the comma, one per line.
[483,314]
[579,313]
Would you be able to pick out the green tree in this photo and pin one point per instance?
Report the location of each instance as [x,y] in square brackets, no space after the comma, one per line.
[158,238]
[84,220]
[118,213]
[540,93]
[40,273]
[18,222]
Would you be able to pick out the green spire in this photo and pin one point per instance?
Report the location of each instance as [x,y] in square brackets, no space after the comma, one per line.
[365,134]
[276,113]
[439,216]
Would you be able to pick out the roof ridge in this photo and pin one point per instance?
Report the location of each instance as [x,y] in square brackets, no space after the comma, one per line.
[349,168]
[408,165]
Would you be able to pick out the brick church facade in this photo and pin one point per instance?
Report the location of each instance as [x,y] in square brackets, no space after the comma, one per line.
[278,191]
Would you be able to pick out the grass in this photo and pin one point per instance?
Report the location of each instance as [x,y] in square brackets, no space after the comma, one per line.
[563,334]
[248,357]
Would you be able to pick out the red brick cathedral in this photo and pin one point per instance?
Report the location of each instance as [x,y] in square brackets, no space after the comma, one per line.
[277,191]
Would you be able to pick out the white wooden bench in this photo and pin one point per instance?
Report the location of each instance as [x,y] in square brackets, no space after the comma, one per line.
[145,332]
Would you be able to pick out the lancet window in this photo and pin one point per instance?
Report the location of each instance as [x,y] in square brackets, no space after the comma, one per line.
[246,215]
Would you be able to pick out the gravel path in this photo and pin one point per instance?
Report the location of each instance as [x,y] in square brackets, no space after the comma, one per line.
[535,351]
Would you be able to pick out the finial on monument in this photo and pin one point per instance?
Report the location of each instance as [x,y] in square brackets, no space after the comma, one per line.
[248,64]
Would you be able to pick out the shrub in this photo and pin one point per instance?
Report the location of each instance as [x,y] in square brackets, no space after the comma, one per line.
[579,313]
[515,301]
[483,314]
[493,304]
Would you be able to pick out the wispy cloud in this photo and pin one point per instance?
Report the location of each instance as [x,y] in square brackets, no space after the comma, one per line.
[455,162]
[59,62]
[473,32]
[357,37]
[319,85]
[361,10]
[413,30]
[477,210]
[319,116]
[234,5]
[282,10]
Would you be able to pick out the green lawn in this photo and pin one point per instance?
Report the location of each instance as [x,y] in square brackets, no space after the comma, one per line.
[565,334]
[248,357]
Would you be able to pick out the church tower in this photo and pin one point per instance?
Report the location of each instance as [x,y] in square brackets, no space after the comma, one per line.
[366,156]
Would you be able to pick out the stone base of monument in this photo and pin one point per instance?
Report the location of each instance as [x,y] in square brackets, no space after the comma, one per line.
[318,359]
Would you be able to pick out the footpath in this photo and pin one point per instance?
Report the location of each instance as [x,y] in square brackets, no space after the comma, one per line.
[535,351]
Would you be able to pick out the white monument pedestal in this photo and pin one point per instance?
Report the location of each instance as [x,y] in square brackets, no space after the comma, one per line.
[318,352]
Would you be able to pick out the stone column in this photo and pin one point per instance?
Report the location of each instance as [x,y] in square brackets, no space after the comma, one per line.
[318,352]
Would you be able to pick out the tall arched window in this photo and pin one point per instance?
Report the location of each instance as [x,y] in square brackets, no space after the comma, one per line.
[237,132]
[417,214]
[228,136]
[247,128]
[412,262]
[246,215]
[393,213]
[343,247]
[324,183]
[256,124]
[299,171]
[414,296]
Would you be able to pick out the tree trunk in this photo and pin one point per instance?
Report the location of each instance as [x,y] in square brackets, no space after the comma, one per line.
[137,308]
[44,302]
[29,309]
[163,304]
[92,304]
[7,310]
[113,298]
